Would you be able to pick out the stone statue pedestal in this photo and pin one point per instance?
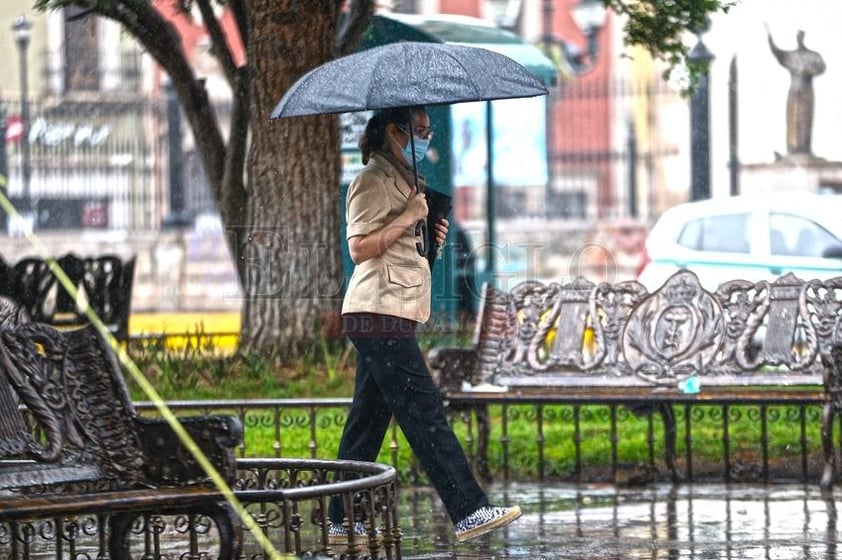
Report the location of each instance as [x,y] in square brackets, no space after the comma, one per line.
[796,172]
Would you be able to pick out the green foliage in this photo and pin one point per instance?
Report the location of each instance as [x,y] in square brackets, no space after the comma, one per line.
[659,26]
[558,437]
[195,368]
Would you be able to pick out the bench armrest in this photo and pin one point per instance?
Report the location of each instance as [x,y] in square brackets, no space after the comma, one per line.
[451,366]
[169,462]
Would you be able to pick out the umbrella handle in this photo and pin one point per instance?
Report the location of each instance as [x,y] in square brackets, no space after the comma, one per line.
[412,150]
[430,248]
[421,231]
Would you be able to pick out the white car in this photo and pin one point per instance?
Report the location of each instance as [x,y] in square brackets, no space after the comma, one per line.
[748,237]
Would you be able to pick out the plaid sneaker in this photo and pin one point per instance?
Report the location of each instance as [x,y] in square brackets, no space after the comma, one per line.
[485,520]
[337,535]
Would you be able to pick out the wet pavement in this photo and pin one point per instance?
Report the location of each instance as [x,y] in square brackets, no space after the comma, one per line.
[676,522]
[605,522]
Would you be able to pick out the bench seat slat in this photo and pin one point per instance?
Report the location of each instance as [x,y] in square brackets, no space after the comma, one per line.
[761,382]
[123,501]
[25,475]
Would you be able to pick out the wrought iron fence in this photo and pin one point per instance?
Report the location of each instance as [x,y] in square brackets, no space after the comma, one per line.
[287,500]
[543,441]
[108,160]
[92,164]
[103,162]
[272,422]
[608,442]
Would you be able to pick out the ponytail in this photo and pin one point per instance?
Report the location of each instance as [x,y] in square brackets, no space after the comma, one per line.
[374,137]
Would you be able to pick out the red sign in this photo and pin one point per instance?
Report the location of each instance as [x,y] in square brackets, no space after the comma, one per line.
[14,128]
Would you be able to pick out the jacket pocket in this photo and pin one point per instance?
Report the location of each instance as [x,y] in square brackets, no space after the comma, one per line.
[406,276]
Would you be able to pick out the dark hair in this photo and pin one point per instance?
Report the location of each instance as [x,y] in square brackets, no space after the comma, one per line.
[374,136]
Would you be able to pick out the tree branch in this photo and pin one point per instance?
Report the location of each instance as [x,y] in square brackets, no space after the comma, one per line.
[239,11]
[659,26]
[355,22]
[219,46]
[233,187]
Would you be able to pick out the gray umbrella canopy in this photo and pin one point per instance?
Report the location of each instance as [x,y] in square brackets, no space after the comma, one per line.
[404,74]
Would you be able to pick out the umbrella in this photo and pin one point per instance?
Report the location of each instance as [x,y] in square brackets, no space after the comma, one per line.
[405,74]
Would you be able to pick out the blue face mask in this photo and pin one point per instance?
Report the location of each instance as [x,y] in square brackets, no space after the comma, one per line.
[421,146]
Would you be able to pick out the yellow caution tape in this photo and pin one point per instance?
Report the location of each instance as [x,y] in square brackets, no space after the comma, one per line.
[146,386]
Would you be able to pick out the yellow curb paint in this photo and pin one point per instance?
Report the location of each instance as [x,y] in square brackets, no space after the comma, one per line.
[222,328]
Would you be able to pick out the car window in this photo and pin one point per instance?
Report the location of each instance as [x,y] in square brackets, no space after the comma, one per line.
[799,237]
[727,233]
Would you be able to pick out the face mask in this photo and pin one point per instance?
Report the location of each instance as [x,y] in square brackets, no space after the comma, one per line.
[421,146]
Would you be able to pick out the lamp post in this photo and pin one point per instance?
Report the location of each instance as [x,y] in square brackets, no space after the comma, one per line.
[700,123]
[22,29]
[4,163]
[177,216]
[589,16]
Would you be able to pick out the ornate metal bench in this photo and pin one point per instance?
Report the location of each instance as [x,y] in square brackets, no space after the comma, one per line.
[746,343]
[104,283]
[78,447]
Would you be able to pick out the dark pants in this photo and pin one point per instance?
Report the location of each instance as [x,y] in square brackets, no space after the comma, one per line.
[392,379]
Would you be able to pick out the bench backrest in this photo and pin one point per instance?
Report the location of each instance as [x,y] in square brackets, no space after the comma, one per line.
[15,436]
[620,335]
[103,282]
[75,395]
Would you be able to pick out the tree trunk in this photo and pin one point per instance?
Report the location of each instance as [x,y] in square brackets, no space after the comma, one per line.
[293,267]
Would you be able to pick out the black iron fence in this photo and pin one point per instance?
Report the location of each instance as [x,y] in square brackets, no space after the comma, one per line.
[92,165]
[603,442]
[286,499]
[102,163]
[122,160]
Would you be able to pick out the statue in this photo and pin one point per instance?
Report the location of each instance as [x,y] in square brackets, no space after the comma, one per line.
[803,64]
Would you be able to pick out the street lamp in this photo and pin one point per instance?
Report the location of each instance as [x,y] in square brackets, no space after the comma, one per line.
[589,16]
[22,29]
[4,162]
[700,121]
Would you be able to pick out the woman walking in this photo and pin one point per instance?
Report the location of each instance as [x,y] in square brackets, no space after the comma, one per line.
[387,297]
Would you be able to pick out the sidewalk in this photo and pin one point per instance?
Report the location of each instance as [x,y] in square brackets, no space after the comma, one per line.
[561,521]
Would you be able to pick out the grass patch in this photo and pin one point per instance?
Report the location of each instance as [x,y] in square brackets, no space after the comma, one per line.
[196,370]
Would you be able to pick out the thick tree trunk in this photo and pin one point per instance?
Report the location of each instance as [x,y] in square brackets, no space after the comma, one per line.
[293,265]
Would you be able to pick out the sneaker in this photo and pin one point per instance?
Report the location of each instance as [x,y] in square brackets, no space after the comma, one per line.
[485,520]
[337,534]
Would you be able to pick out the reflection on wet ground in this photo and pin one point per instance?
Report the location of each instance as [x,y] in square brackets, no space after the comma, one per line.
[602,522]
[674,522]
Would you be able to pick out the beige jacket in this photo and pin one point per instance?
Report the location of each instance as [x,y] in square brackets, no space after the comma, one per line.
[398,282]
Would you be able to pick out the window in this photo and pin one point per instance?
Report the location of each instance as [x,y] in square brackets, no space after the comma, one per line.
[691,235]
[798,237]
[724,234]
[81,50]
